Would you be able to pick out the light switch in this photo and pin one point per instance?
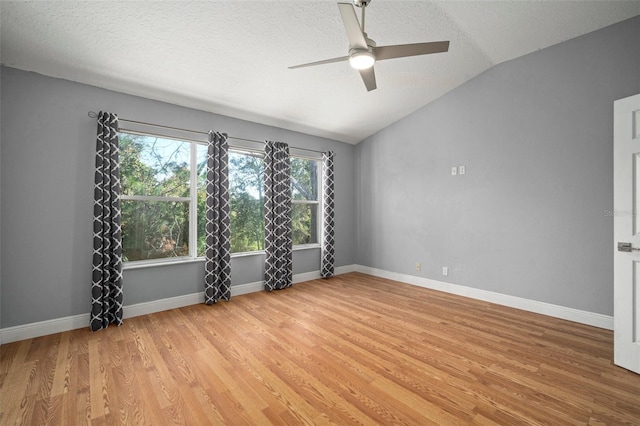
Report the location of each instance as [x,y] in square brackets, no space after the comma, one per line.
[462,170]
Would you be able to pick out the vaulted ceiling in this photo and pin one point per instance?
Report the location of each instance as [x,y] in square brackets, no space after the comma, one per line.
[232,57]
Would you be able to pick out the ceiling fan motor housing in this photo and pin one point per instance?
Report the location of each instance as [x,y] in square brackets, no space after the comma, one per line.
[370,42]
[359,52]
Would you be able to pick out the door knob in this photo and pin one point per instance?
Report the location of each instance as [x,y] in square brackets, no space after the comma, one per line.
[626,247]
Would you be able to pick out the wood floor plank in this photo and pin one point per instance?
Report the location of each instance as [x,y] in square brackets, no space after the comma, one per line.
[13,394]
[352,350]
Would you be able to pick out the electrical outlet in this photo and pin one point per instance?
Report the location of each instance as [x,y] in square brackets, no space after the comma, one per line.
[418,266]
[445,270]
[462,170]
[454,171]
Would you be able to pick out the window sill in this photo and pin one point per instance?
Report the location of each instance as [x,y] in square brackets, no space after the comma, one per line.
[141,264]
[306,247]
[261,252]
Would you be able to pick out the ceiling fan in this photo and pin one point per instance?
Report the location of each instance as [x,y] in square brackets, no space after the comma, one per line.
[363,52]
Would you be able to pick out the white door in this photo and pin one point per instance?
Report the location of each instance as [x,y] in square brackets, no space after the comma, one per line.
[626,231]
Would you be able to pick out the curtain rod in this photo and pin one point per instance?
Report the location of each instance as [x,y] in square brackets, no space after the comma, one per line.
[94,114]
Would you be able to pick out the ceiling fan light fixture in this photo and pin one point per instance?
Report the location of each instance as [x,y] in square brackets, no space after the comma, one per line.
[362,60]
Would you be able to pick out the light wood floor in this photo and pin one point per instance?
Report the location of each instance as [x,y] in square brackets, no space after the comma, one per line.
[351,350]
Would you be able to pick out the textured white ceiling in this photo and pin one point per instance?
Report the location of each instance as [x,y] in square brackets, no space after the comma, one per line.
[231,57]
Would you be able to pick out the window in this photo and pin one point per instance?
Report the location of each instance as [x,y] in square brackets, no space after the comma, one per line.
[246,200]
[305,175]
[162,197]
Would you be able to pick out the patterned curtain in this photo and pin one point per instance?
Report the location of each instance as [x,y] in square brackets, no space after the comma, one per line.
[106,286]
[217,272]
[328,254]
[278,272]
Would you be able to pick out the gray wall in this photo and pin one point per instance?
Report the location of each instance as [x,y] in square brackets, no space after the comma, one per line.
[528,219]
[46,175]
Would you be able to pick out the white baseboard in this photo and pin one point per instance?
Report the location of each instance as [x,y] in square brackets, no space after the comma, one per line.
[43,328]
[307,276]
[153,306]
[237,290]
[315,275]
[345,269]
[556,311]
[58,325]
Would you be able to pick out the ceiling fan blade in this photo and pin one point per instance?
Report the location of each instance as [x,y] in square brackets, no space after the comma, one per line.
[326,61]
[369,78]
[404,50]
[351,24]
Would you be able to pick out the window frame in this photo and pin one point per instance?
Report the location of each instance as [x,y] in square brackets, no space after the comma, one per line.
[192,199]
[318,202]
[257,149]
[246,150]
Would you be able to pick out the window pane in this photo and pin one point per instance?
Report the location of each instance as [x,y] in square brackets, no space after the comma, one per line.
[154,229]
[304,219]
[246,200]
[202,201]
[151,165]
[304,179]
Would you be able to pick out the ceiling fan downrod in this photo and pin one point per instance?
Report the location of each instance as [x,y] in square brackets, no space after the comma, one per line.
[362,4]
